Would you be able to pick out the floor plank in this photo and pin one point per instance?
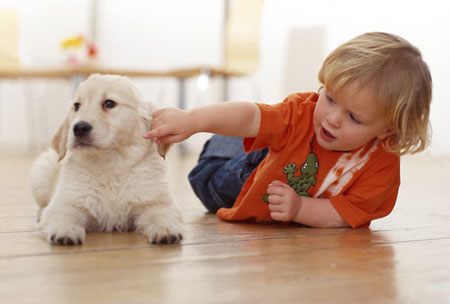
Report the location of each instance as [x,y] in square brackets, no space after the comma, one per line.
[402,258]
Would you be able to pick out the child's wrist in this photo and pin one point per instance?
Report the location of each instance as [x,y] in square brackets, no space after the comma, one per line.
[194,121]
[298,210]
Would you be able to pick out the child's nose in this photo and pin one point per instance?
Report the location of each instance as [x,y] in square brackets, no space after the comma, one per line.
[334,119]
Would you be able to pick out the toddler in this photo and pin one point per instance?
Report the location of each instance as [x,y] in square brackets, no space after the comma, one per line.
[325,159]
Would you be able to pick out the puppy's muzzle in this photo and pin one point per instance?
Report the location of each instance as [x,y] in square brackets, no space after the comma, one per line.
[82,129]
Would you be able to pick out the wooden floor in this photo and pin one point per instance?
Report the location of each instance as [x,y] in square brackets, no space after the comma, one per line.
[404,258]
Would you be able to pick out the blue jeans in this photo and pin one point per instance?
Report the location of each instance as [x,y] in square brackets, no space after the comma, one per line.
[222,169]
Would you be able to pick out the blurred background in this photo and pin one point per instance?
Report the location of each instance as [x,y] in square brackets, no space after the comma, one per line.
[265,49]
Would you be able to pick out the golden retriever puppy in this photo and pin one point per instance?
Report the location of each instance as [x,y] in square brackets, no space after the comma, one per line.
[100,174]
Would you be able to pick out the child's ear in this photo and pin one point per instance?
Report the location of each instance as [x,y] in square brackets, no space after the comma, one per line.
[388,132]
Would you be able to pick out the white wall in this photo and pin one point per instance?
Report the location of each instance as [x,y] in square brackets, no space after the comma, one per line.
[160,34]
[296,35]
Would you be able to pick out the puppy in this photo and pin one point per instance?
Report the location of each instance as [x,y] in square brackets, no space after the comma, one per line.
[100,174]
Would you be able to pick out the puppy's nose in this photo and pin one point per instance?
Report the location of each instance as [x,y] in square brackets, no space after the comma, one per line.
[81,129]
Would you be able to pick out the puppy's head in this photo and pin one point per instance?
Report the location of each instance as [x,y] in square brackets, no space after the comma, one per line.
[106,113]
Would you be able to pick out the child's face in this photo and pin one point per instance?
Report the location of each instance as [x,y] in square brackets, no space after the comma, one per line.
[350,120]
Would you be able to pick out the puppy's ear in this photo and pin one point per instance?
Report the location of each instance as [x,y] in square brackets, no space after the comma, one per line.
[145,111]
[59,141]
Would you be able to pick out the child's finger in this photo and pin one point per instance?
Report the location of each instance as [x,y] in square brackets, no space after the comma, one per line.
[157,132]
[274,199]
[153,133]
[157,113]
[276,189]
[149,135]
[276,183]
[278,216]
[275,207]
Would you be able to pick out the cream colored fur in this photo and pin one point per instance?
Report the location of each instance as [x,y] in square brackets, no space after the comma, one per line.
[113,179]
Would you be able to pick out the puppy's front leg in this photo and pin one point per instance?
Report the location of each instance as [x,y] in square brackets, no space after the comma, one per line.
[63,225]
[161,224]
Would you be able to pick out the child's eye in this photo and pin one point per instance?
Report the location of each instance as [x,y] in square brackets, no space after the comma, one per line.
[330,99]
[354,118]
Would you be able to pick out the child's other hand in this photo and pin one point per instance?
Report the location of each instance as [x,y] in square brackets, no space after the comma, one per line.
[170,125]
[284,203]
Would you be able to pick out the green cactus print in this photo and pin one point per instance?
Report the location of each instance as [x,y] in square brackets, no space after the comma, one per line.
[301,183]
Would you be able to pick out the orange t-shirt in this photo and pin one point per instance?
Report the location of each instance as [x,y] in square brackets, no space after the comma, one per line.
[362,185]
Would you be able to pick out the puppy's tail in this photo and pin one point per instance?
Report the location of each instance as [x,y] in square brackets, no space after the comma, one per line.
[43,175]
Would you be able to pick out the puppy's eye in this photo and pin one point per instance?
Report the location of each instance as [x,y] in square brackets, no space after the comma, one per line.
[109,104]
[76,106]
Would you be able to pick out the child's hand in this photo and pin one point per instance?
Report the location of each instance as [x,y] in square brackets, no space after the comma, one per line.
[171,125]
[284,203]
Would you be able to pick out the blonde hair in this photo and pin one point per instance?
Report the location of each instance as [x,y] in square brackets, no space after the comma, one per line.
[400,81]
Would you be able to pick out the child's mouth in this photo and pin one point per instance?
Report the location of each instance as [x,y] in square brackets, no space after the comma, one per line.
[326,134]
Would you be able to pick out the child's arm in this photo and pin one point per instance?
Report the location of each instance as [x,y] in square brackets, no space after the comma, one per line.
[286,205]
[240,119]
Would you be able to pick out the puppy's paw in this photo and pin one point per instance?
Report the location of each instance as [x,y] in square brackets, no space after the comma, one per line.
[66,240]
[162,238]
[161,225]
[164,234]
[64,235]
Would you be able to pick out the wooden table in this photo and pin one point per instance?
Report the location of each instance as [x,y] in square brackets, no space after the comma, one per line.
[87,70]
[79,73]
